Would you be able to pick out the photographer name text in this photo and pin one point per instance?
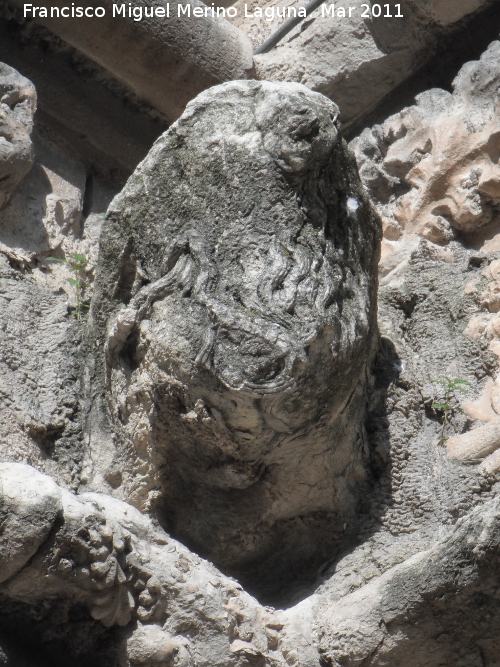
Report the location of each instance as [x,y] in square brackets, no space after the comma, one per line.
[165,11]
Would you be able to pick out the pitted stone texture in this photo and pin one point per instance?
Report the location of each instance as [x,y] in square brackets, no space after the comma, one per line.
[39,335]
[236,302]
[39,377]
[433,171]
[413,615]
[433,168]
[17,106]
[44,215]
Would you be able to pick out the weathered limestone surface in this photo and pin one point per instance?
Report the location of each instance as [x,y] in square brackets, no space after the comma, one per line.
[235,304]
[38,377]
[37,385]
[29,507]
[100,122]
[259,24]
[17,106]
[354,61]
[104,555]
[433,169]
[44,215]
[445,12]
[433,291]
[97,80]
[430,610]
[186,54]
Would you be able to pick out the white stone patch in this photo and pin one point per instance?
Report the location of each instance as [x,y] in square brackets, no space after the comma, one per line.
[352,205]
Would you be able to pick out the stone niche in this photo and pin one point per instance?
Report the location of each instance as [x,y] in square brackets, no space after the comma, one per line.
[235,311]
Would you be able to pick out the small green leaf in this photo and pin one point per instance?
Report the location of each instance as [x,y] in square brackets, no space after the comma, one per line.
[56,259]
[437,405]
[462,386]
[78,257]
[75,283]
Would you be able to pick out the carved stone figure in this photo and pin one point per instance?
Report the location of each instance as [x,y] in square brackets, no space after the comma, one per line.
[235,304]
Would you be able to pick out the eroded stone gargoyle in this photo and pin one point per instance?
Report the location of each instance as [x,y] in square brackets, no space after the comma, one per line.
[235,307]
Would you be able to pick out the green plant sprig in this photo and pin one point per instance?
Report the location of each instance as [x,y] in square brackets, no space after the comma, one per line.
[78,264]
[448,403]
